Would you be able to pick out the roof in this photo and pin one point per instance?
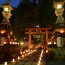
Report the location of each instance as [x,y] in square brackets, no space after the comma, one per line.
[7,5]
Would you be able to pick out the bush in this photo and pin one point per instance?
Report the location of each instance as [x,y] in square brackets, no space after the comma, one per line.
[56,53]
[10,51]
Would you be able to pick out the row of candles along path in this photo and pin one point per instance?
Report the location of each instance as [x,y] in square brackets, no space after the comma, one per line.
[39,61]
[23,54]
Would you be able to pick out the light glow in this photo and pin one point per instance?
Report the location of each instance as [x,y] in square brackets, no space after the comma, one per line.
[4,42]
[5,63]
[22,55]
[6,9]
[49,43]
[46,51]
[18,57]
[10,42]
[62,31]
[59,6]
[21,52]
[39,61]
[22,43]
[40,58]
[54,42]
[3,31]
[13,60]
[18,43]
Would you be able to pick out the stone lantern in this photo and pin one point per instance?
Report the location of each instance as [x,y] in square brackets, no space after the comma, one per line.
[59,28]
[5,27]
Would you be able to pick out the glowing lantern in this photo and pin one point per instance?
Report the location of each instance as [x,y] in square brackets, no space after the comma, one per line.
[7,10]
[3,31]
[18,57]
[13,60]
[5,63]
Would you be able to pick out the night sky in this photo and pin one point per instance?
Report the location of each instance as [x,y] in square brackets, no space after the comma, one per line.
[14,3]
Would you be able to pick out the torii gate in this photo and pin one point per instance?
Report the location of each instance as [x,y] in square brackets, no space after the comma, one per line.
[38,31]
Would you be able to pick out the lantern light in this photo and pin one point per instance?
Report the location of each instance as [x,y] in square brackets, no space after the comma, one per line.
[46,51]
[7,6]
[6,9]
[13,60]
[59,6]
[4,42]
[62,31]
[54,42]
[5,63]
[18,57]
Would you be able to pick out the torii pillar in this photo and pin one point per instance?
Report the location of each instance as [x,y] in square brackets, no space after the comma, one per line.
[46,38]
[29,42]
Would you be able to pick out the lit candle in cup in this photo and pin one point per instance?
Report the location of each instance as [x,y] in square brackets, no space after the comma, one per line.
[5,63]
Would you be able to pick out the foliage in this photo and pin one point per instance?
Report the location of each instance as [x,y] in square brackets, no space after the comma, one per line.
[31,15]
[36,41]
[57,54]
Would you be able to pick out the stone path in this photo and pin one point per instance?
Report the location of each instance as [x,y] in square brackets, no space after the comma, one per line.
[31,59]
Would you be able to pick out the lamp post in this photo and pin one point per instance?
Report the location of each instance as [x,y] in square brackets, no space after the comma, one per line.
[60,25]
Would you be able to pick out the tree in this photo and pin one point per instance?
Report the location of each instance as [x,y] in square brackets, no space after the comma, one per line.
[30,15]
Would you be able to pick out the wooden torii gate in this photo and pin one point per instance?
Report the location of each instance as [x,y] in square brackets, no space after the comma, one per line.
[38,31]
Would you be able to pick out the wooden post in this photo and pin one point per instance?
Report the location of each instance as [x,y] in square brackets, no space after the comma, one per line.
[29,43]
[46,38]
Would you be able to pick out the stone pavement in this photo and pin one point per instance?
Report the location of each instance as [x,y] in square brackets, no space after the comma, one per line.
[21,63]
[32,59]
